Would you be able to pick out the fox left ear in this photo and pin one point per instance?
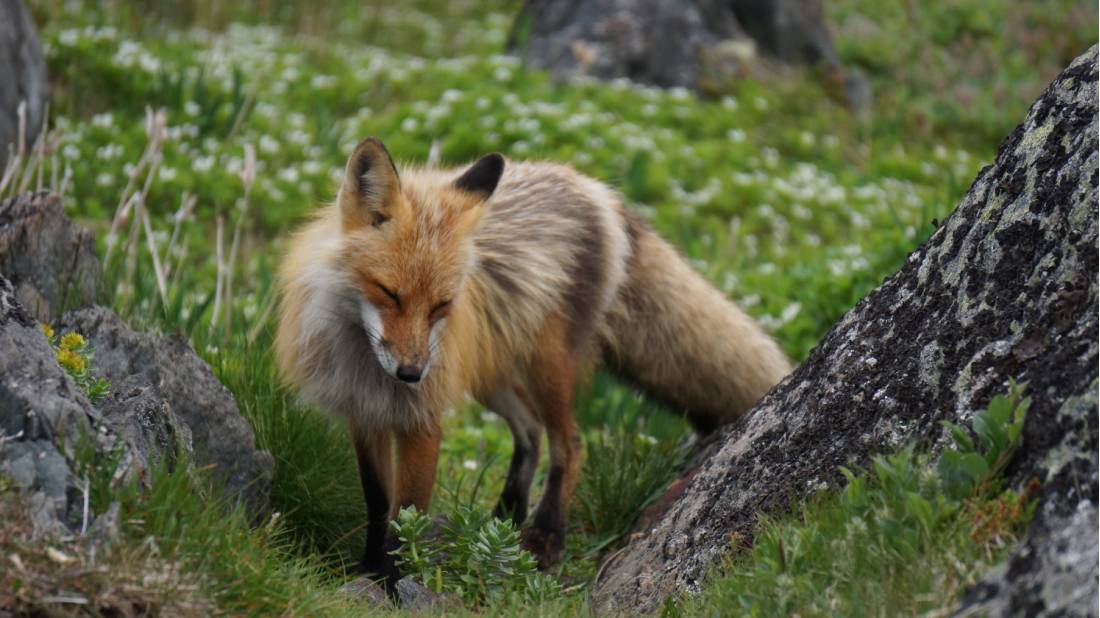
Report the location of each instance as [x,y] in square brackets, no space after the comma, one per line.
[482,177]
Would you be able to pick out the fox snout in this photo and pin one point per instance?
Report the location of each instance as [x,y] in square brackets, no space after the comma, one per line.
[404,353]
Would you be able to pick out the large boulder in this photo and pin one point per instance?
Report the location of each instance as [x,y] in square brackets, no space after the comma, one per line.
[1005,289]
[146,368]
[23,75]
[697,44]
[50,259]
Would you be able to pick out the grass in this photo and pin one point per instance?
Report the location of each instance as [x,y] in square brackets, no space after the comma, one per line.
[903,538]
[781,198]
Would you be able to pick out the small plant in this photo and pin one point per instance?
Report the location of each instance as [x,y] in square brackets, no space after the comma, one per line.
[476,556]
[74,354]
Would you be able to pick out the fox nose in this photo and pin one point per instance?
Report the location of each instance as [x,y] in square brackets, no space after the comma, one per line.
[409,373]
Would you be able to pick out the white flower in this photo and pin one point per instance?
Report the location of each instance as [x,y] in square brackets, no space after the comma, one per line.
[104,120]
[192,109]
[288,174]
[409,125]
[203,164]
[268,145]
[104,179]
[469,464]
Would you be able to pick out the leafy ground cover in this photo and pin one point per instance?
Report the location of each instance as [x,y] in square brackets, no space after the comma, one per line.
[229,122]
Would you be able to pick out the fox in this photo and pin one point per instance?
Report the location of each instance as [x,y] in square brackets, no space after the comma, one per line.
[509,282]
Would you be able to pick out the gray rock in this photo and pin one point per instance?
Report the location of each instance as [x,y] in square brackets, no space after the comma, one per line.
[1005,289]
[40,407]
[174,373]
[367,591]
[415,597]
[697,44]
[136,413]
[23,74]
[50,259]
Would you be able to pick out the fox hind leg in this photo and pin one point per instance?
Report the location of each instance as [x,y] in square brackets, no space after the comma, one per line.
[553,381]
[510,401]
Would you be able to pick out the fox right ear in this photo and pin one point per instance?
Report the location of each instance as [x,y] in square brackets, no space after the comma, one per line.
[371,186]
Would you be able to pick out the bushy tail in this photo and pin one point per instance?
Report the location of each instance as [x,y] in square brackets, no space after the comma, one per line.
[679,339]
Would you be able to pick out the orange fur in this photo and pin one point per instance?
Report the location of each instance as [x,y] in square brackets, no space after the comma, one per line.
[419,287]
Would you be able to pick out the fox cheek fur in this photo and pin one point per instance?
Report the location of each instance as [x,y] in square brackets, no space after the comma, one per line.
[419,288]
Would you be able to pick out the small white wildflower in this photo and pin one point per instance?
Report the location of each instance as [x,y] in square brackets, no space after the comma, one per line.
[191,108]
[410,125]
[268,144]
[469,464]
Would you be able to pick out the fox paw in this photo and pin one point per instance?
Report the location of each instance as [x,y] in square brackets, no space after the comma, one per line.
[546,546]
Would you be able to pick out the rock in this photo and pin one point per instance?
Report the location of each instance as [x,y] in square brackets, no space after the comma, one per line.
[1053,572]
[138,415]
[415,597]
[23,74]
[40,407]
[1005,289]
[697,44]
[171,371]
[367,591]
[50,259]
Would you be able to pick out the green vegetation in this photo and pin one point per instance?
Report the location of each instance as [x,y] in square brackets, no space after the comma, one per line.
[193,135]
[74,355]
[900,539]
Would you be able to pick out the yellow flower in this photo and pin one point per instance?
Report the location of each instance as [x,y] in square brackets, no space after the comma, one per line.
[71,341]
[71,360]
[46,330]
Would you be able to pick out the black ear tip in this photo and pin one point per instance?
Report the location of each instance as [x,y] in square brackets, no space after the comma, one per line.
[482,176]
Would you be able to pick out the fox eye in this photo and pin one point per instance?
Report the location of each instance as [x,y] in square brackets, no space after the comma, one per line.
[440,311]
[394,297]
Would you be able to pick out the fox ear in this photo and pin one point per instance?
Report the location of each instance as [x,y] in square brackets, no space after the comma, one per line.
[482,177]
[371,186]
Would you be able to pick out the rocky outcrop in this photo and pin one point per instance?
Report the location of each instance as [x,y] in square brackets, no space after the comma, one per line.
[164,400]
[1005,289]
[23,75]
[40,408]
[50,259]
[153,370]
[697,44]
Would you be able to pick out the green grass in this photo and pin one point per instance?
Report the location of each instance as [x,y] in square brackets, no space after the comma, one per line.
[903,538]
[776,194]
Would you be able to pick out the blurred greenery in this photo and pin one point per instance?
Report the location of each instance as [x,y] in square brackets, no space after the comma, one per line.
[787,202]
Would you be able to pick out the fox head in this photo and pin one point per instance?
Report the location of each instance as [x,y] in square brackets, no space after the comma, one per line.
[407,250]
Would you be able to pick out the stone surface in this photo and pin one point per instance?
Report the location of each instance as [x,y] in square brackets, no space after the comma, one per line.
[137,414]
[23,75]
[40,406]
[1005,289]
[174,373]
[697,44]
[50,260]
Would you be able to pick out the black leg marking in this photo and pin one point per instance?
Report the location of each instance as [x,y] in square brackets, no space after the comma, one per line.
[376,557]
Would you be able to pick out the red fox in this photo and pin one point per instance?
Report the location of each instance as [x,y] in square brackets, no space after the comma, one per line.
[507,282]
